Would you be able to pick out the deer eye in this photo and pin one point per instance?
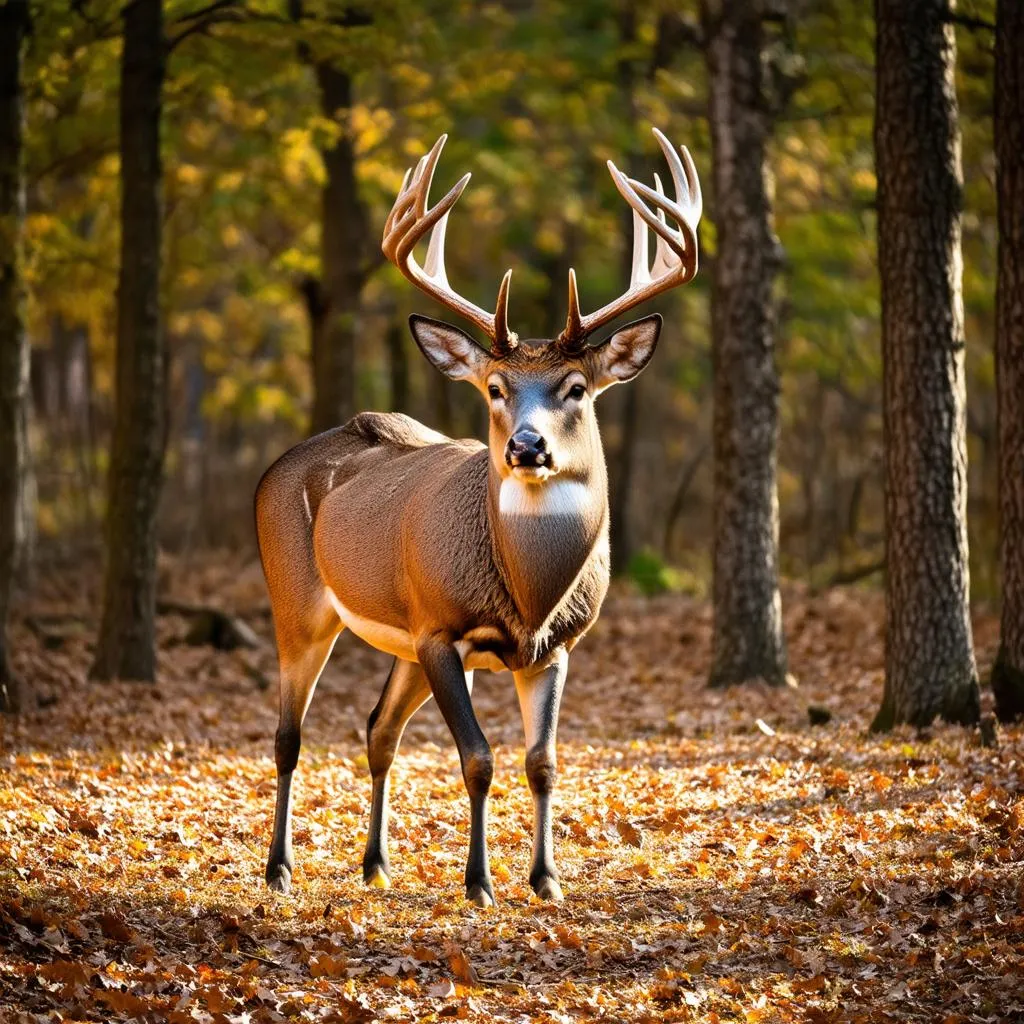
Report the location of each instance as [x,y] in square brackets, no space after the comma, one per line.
[577,391]
[494,391]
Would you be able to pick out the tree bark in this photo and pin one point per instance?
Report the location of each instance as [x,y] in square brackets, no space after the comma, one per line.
[126,647]
[624,462]
[620,533]
[1008,671]
[748,637]
[398,365]
[14,349]
[929,660]
[343,247]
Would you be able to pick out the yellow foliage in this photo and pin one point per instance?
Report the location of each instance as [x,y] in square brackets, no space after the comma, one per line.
[370,126]
[200,134]
[521,129]
[230,181]
[226,391]
[549,238]
[864,179]
[298,261]
[301,163]
[324,131]
[189,174]
[231,236]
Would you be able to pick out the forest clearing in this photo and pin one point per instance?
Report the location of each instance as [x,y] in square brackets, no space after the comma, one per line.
[246,472]
[722,857]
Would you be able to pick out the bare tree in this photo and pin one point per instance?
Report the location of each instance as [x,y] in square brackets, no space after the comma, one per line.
[126,647]
[14,349]
[1008,671]
[748,637]
[929,662]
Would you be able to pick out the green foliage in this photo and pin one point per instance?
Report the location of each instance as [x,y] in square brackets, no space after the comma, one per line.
[534,99]
[652,575]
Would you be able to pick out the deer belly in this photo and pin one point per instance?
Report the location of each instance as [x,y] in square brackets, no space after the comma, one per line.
[390,639]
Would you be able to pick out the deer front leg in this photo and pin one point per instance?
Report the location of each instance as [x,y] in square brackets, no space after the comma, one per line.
[540,693]
[404,693]
[450,688]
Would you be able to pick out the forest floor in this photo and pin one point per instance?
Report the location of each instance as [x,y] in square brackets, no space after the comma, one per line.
[723,859]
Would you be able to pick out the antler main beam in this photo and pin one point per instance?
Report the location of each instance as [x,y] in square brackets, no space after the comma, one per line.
[675,258]
[409,221]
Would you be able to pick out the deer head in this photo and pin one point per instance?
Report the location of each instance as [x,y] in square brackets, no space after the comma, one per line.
[541,393]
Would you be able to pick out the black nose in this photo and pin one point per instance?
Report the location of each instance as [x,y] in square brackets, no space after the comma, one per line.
[526,448]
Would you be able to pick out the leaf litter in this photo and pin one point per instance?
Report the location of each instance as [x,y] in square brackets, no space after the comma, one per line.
[724,859]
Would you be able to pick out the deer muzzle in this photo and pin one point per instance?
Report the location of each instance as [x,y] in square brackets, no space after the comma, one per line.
[527,450]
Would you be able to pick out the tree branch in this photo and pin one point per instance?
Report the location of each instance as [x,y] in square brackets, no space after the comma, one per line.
[969,21]
[219,13]
[205,12]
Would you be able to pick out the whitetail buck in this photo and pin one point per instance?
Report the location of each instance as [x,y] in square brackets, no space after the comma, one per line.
[453,556]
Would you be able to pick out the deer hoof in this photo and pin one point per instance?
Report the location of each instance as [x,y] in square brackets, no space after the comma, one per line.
[480,896]
[279,878]
[547,888]
[377,878]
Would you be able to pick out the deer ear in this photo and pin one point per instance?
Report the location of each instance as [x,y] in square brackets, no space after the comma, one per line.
[452,351]
[627,351]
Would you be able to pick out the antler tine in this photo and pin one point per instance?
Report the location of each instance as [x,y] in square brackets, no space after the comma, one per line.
[394,209]
[573,338]
[433,265]
[421,225]
[684,176]
[639,273]
[675,258]
[664,258]
[504,339]
[425,175]
[410,219]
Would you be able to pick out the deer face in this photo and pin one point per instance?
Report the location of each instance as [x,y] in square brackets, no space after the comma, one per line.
[540,394]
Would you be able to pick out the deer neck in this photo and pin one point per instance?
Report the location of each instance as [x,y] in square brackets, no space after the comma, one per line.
[543,534]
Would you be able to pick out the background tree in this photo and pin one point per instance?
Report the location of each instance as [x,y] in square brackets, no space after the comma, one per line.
[126,647]
[14,349]
[347,252]
[930,669]
[748,638]
[1008,671]
[532,99]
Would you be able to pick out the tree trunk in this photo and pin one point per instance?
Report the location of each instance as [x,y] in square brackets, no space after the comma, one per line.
[343,244]
[440,389]
[126,647]
[14,349]
[929,658]
[624,458]
[748,638]
[621,536]
[1008,672]
[398,365]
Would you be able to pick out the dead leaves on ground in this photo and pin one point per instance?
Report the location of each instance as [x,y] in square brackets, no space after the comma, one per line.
[723,858]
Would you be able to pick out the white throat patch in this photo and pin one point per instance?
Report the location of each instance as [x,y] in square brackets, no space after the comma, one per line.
[553,498]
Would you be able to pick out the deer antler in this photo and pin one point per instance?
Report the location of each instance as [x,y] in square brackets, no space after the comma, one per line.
[675,259]
[410,219]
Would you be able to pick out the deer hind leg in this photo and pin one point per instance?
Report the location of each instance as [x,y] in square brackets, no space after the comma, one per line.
[404,694]
[301,665]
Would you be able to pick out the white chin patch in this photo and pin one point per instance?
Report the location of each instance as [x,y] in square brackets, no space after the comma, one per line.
[532,474]
[543,498]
